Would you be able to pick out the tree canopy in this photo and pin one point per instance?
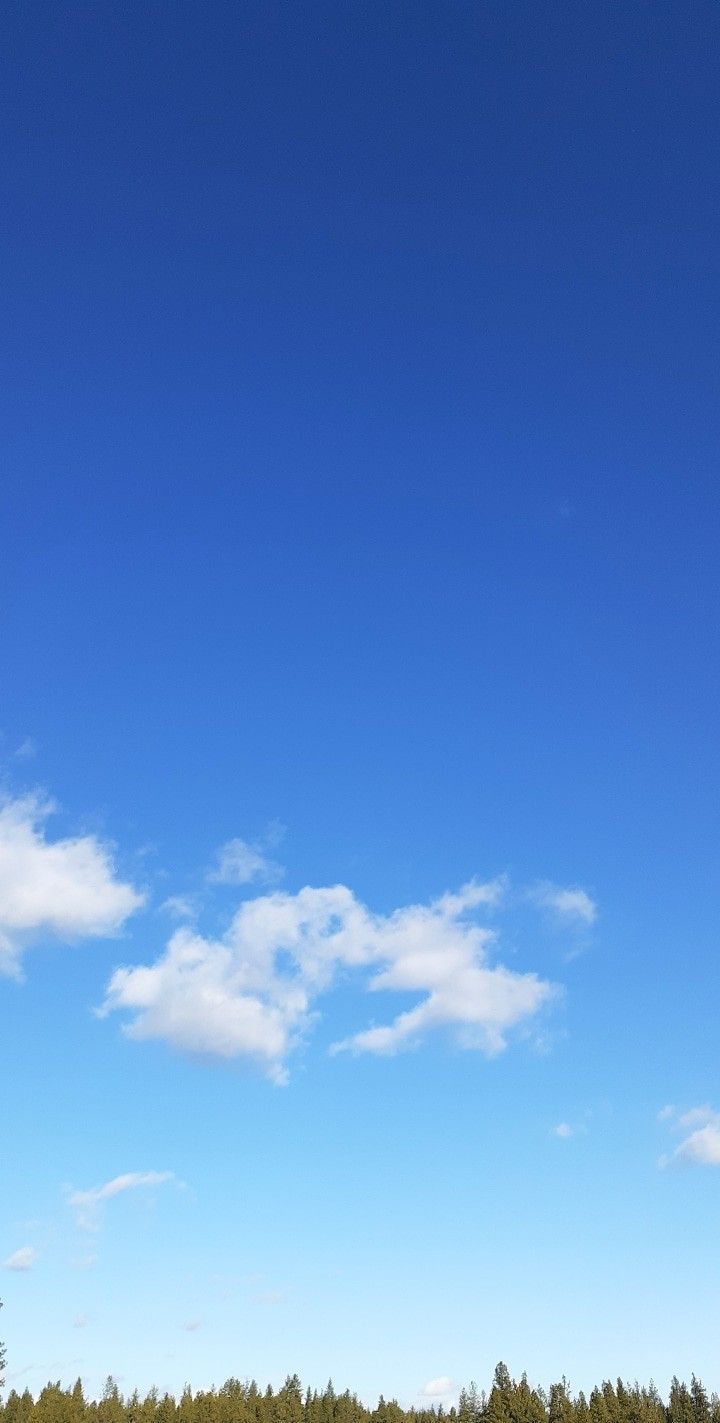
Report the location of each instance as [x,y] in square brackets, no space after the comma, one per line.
[508,1401]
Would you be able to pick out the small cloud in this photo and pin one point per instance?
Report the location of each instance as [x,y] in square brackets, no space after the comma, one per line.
[49,1368]
[471,896]
[275,833]
[26,750]
[22,1259]
[563,1130]
[242,862]
[180,906]
[438,1388]
[192,1326]
[85,1262]
[701,1145]
[80,1321]
[66,888]
[566,904]
[270,1297]
[666,1113]
[87,1203]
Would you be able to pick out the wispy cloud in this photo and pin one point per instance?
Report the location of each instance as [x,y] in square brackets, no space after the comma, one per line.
[64,888]
[46,1368]
[700,1144]
[563,1130]
[80,1321]
[86,1204]
[270,1298]
[253,992]
[180,906]
[245,862]
[192,1326]
[22,1259]
[569,905]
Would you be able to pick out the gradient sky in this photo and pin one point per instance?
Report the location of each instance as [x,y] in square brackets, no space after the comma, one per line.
[359,594]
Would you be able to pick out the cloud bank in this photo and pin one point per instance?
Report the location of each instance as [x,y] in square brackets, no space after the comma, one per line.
[252,993]
[65,889]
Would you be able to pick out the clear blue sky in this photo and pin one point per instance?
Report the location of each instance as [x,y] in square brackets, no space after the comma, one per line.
[360,534]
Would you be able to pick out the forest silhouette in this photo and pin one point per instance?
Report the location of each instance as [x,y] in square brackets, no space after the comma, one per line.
[507,1401]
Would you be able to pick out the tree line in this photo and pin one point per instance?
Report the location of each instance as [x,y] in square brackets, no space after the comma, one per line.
[508,1401]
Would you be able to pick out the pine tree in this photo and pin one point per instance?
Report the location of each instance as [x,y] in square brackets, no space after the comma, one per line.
[499,1402]
[700,1405]
[110,1407]
[525,1405]
[680,1406]
[560,1409]
[471,1404]
[289,1401]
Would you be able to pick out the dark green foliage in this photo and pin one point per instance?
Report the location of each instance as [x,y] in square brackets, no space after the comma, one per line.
[700,1405]
[472,1405]
[680,1406]
[243,1402]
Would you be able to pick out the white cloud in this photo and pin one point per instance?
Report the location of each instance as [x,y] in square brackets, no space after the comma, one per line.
[64,888]
[441,1387]
[22,1259]
[80,1321]
[567,905]
[701,1145]
[87,1203]
[698,1117]
[563,1130]
[180,906]
[240,862]
[84,1262]
[192,1326]
[252,992]
[270,1298]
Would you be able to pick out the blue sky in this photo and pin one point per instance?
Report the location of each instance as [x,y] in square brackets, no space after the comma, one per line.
[359,588]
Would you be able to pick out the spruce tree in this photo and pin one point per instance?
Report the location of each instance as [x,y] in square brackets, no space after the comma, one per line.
[471,1404]
[499,1402]
[560,1409]
[680,1406]
[525,1405]
[700,1405]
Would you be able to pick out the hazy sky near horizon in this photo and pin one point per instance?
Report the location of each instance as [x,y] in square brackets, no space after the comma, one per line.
[359,594]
